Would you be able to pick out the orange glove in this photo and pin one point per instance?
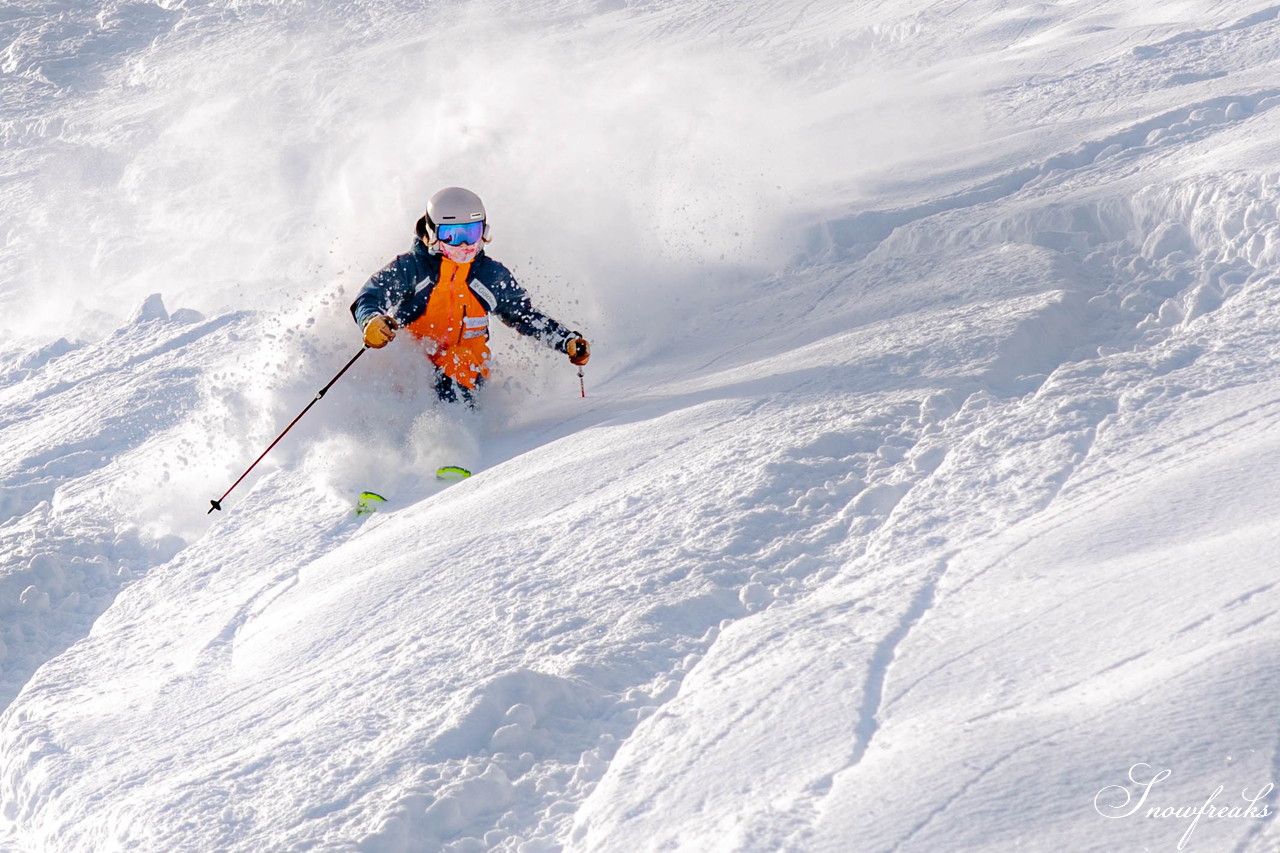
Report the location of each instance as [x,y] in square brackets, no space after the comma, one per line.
[578,349]
[379,332]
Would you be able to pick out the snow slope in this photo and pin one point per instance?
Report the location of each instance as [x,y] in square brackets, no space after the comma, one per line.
[920,501]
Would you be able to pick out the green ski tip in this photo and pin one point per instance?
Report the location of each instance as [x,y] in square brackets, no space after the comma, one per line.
[452,473]
[368,503]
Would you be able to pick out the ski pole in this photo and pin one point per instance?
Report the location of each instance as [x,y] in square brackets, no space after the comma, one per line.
[582,383]
[218,503]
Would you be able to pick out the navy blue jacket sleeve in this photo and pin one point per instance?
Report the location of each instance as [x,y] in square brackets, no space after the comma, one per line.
[516,309]
[387,290]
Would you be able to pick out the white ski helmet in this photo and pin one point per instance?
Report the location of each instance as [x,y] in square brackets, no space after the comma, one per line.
[451,206]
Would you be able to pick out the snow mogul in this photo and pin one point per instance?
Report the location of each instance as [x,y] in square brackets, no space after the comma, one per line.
[442,293]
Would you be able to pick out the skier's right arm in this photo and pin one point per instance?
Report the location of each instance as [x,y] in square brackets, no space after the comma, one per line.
[375,306]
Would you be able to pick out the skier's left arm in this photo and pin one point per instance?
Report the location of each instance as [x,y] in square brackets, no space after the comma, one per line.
[515,308]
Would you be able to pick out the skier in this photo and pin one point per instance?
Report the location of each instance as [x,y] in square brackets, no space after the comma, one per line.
[442,293]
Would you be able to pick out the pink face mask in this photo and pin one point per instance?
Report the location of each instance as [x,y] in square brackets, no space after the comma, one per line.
[464,254]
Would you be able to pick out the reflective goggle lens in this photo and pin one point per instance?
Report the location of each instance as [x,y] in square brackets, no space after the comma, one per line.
[463,233]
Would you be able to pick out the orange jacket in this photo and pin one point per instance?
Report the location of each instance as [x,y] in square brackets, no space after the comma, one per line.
[454,326]
[446,306]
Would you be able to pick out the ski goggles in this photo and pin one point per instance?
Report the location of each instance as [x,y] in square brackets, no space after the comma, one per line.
[460,234]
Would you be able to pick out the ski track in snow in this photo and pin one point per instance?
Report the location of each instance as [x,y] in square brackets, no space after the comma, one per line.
[752,583]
